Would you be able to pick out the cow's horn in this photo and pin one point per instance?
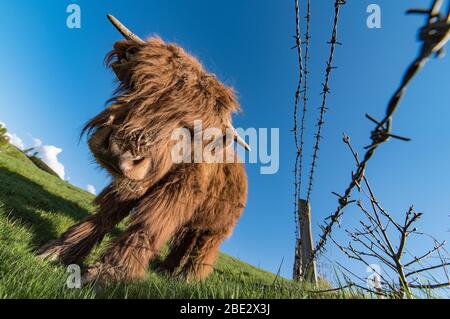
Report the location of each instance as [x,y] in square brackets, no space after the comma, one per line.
[124,30]
[237,138]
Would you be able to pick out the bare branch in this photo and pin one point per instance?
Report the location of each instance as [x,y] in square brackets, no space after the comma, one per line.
[430,252]
[443,265]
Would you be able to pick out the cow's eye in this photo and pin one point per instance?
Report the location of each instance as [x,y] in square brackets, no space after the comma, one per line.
[130,52]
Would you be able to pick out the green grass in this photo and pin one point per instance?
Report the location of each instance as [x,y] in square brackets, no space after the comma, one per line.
[36,206]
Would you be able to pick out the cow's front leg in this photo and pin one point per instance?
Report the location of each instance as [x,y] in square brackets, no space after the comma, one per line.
[76,243]
[153,223]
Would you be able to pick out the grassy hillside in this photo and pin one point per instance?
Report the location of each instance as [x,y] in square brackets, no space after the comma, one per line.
[39,163]
[36,206]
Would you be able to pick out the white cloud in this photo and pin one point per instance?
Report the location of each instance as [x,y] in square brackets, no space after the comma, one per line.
[16,141]
[13,138]
[91,189]
[49,155]
[36,142]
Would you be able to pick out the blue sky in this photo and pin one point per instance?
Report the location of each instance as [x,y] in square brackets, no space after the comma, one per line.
[55,80]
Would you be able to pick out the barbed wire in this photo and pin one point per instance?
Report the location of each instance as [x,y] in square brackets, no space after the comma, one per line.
[434,35]
[298,145]
[325,91]
[305,92]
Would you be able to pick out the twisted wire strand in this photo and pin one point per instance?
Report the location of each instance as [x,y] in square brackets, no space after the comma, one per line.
[305,93]
[297,172]
[326,90]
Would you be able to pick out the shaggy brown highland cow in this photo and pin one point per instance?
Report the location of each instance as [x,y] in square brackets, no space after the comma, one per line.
[197,205]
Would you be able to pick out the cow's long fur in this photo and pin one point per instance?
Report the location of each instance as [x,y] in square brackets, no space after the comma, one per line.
[162,88]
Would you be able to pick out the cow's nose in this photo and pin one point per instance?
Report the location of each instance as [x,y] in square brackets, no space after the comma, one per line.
[127,162]
[134,167]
